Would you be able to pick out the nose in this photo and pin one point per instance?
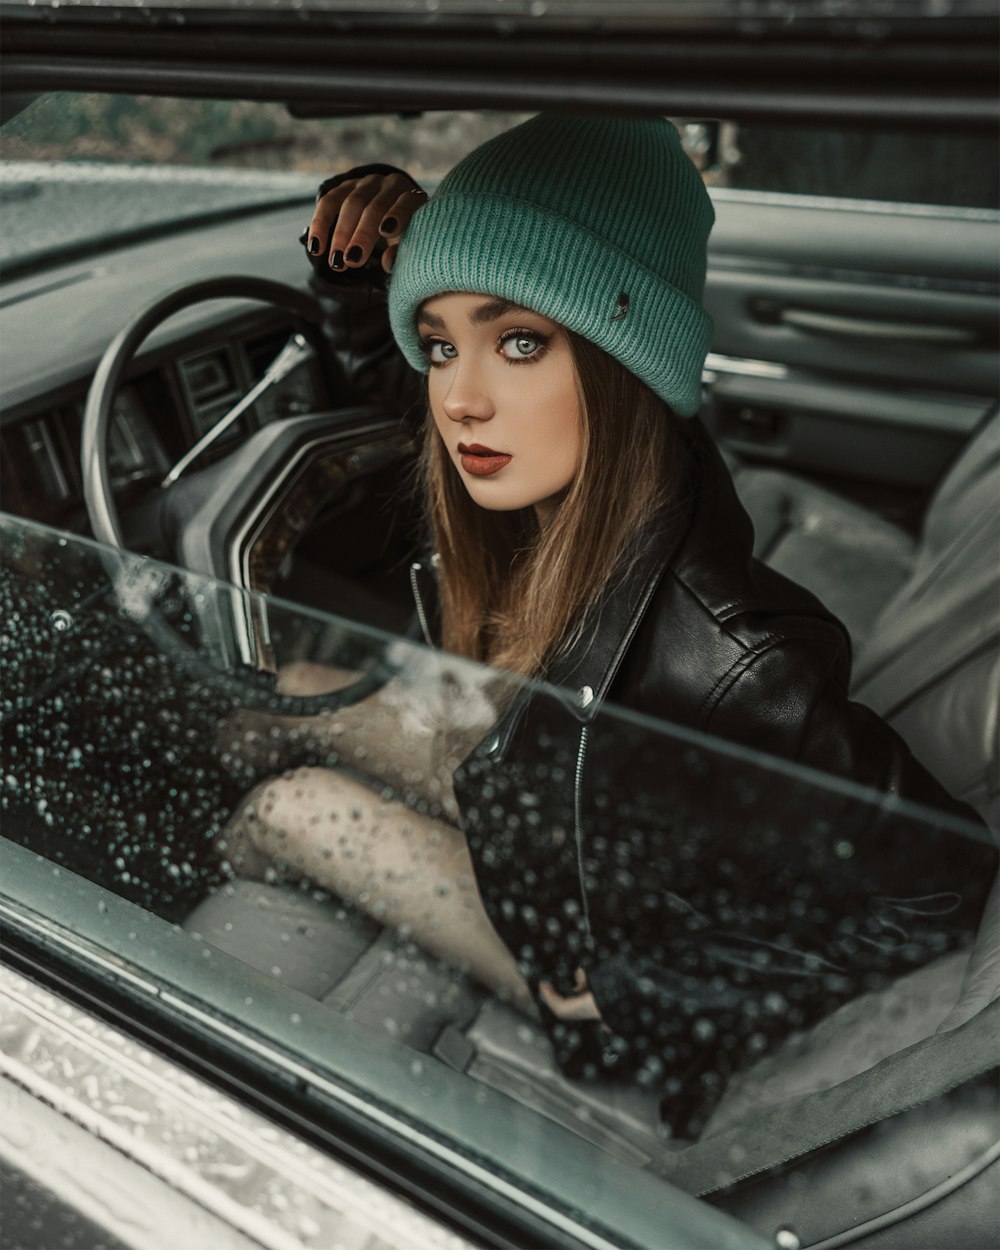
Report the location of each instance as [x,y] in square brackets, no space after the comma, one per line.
[466,398]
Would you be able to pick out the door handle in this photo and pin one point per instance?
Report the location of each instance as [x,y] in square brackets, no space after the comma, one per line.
[874,328]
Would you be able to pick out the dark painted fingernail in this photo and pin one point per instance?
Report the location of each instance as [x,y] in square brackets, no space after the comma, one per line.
[313,245]
[354,253]
[388,226]
[337,260]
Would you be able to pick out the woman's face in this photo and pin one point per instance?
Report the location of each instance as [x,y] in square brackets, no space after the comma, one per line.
[503,394]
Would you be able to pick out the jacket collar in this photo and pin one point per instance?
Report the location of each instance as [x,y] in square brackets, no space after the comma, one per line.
[717,528]
[585,672]
[583,675]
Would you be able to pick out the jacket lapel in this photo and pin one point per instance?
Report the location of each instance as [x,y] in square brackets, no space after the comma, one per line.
[584,673]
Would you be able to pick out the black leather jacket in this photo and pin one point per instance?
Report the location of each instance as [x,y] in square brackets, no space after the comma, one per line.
[714,900]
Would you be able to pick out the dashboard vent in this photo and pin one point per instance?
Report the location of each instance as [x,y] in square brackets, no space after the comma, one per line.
[38,474]
[212,384]
[263,349]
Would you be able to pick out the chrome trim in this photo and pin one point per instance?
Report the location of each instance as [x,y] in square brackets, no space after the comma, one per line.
[75,947]
[250,631]
[716,363]
[886,208]
[208,1148]
[292,1162]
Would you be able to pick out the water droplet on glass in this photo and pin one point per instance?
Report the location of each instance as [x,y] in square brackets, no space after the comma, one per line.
[703,1030]
[60,620]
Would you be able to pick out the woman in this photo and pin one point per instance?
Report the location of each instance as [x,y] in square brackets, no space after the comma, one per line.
[587,531]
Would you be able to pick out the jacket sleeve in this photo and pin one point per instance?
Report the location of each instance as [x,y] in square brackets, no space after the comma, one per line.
[356,323]
[791,701]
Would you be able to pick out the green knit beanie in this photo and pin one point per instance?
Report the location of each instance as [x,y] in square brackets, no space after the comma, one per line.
[599,223]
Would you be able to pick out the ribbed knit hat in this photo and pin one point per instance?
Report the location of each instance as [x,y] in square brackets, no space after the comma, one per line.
[599,223]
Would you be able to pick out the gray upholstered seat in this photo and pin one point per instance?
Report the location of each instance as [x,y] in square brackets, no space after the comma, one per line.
[931,662]
[849,558]
[924,614]
[928,660]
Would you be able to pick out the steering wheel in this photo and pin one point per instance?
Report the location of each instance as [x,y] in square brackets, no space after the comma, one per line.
[197,512]
[98,495]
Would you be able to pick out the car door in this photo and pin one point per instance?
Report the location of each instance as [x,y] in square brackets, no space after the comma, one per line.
[855,331]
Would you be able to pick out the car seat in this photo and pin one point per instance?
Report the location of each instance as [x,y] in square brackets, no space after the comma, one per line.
[923,613]
[878,1127]
[927,615]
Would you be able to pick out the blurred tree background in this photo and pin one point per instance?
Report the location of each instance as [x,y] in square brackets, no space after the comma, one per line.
[239,134]
[942,167]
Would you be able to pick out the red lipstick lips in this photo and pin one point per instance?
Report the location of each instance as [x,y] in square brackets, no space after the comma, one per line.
[482,461]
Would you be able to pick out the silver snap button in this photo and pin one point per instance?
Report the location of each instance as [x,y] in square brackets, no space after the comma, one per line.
[586,696]
[60,620]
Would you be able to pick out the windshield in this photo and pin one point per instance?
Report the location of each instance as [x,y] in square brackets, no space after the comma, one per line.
[161,778]
[112,169]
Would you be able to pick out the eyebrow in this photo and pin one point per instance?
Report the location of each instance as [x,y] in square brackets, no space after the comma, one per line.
[492,310]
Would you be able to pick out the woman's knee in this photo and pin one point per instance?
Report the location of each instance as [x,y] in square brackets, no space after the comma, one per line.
[284,806]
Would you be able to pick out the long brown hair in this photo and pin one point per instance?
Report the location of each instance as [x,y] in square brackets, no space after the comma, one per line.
[514,593]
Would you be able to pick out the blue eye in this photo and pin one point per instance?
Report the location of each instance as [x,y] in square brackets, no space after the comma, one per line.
[440,352]
[521,345]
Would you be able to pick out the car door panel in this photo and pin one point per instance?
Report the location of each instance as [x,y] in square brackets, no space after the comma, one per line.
[878,323]
[868,433]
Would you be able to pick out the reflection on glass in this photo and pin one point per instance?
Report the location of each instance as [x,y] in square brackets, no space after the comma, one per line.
[354,825]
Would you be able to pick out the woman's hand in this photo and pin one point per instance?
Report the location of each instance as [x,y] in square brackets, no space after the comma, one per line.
[352,218]
[579,1006]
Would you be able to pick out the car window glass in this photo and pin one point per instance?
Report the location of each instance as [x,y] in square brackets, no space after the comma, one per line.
[145,760]
[108,166]
[895,164]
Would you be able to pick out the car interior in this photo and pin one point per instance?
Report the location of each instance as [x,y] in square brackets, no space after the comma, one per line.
[851,386]
[916,580]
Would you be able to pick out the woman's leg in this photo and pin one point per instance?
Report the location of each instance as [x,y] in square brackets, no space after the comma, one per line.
[395,735]
[404,869]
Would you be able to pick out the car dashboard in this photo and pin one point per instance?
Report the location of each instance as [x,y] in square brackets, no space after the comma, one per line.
[188,375]
[823,359]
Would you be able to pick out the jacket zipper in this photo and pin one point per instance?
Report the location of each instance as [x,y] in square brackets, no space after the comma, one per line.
[581,755]
[421,614]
